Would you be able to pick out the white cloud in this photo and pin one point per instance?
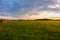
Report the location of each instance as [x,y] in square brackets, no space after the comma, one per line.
[54,6]
[51,6]
[58,1]
[8,17]
[57,5]
[42,15]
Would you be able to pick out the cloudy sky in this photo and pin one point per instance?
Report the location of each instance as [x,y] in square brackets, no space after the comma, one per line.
[30,9]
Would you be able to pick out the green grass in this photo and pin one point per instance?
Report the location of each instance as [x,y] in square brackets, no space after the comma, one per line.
[30,30]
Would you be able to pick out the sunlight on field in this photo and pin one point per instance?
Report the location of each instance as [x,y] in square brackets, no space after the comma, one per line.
[30,30]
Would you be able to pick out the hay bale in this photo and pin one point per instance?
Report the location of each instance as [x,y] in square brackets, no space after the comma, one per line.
[0,20]
[4,21]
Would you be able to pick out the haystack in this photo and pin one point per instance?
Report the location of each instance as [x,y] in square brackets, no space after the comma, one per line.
[4,21]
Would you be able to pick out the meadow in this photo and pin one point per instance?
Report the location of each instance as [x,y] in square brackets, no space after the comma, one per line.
[30,30]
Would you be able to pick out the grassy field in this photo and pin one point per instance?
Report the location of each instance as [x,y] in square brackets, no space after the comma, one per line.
[30,30]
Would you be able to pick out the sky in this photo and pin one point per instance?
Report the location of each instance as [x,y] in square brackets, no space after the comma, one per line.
[30,9]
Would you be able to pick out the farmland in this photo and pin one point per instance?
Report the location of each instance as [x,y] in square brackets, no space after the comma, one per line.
[30,30]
